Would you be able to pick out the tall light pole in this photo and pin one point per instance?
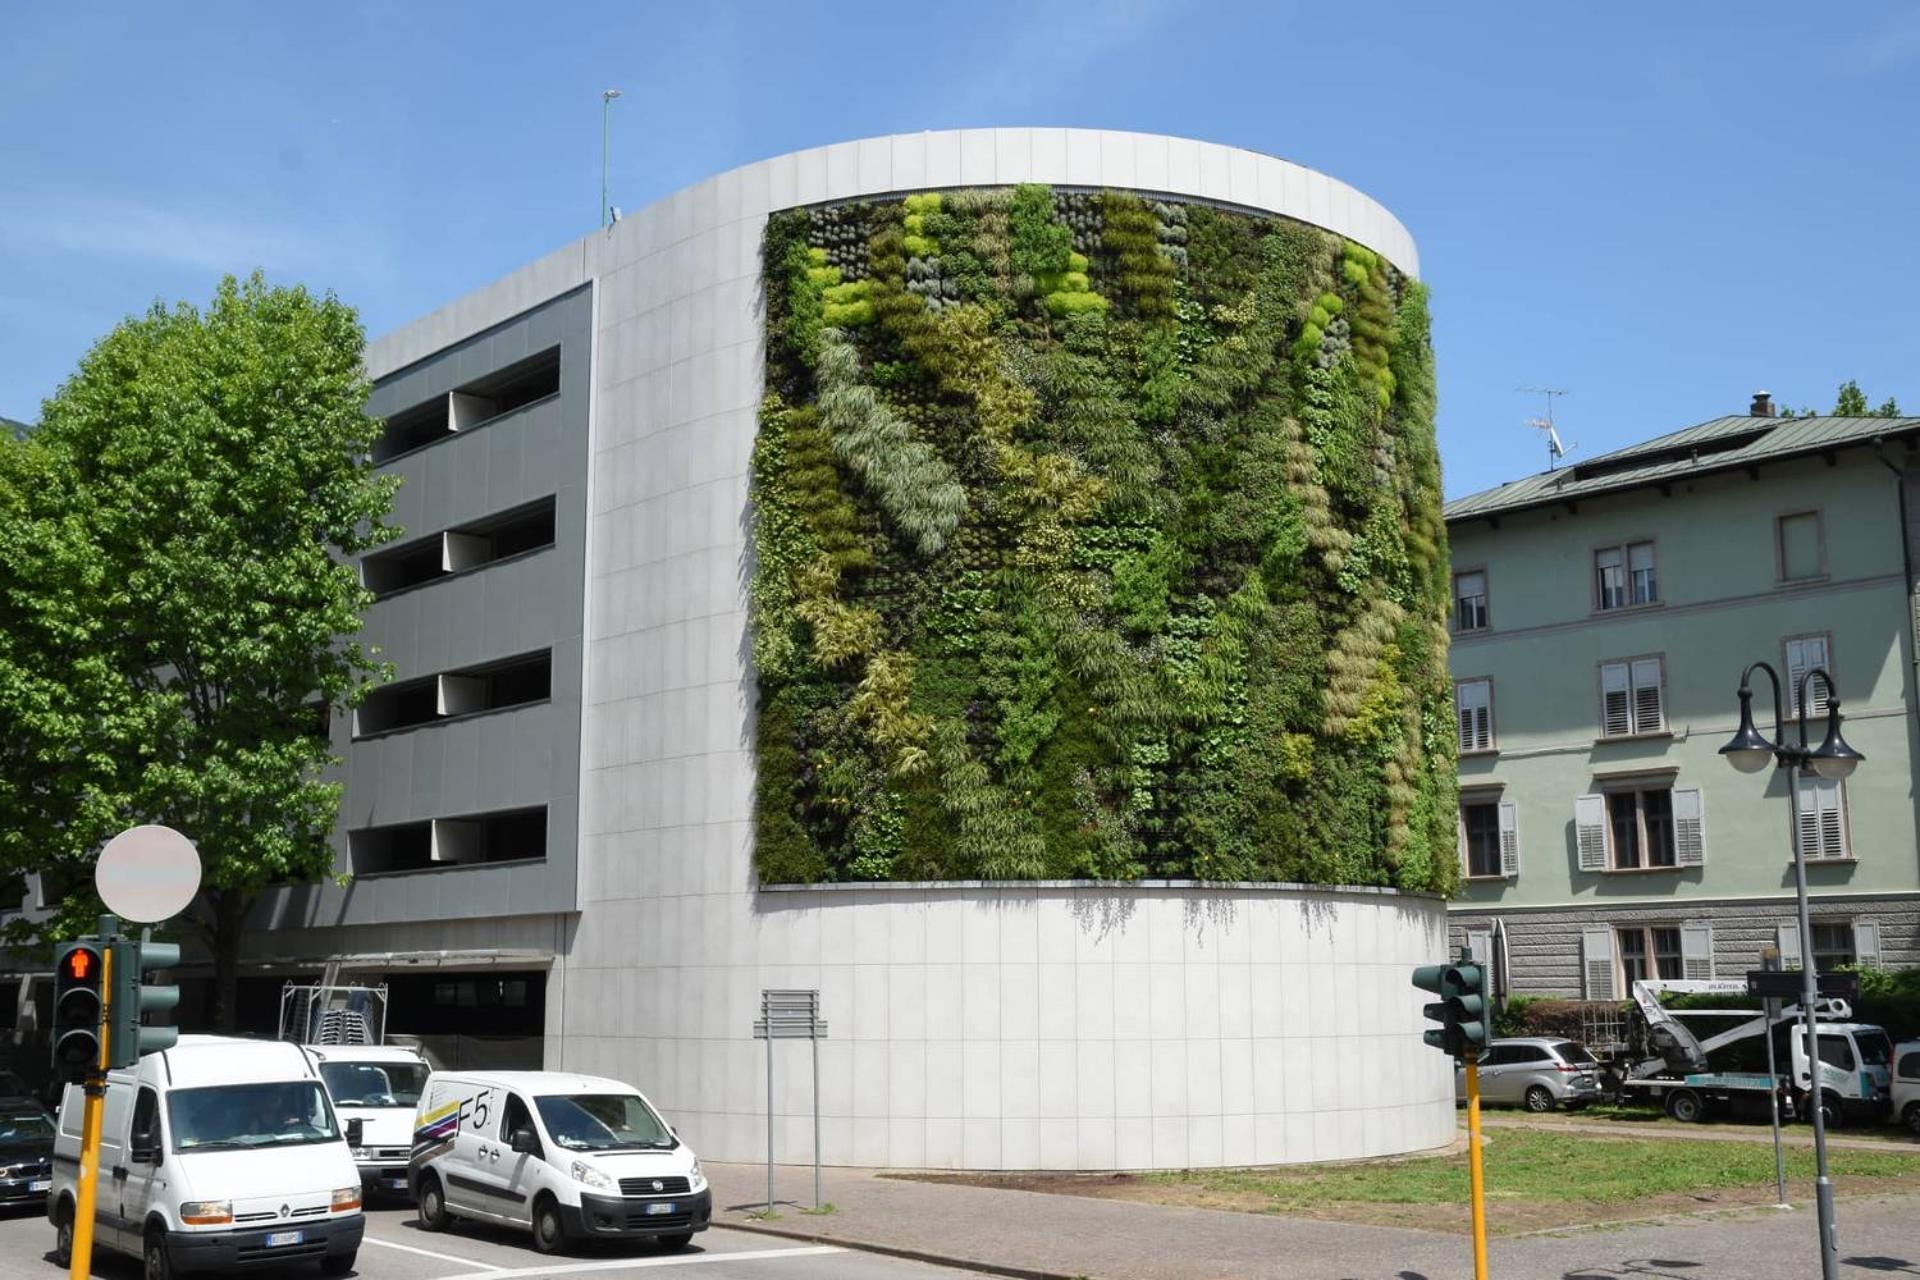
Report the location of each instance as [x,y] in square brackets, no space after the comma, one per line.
[606,101]
[1749,751]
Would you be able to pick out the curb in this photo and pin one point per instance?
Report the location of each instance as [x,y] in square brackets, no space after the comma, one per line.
[910,1255]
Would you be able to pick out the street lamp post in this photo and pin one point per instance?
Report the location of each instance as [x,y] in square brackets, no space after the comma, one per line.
[606,102]
[1749,752]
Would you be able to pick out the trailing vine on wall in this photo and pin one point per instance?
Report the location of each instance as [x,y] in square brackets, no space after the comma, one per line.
[1096,536]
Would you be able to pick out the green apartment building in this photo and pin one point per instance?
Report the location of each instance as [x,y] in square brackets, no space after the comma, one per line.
[1602,615]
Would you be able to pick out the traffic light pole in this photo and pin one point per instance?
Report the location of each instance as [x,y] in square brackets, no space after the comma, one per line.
[1475,1176]
[87,1184]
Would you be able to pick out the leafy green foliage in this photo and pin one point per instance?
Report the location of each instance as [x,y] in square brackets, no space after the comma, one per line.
[1107,543]
[175,609]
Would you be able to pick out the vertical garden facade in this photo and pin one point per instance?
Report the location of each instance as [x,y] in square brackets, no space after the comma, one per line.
[1012,576]
[1097,536]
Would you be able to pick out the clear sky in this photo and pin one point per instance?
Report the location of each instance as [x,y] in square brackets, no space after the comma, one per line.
[1660,208]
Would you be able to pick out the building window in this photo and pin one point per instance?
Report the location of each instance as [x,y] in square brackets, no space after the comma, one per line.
[495,686]
[1800,546]
[510,835]
[470,546]
[1823,818]
[1489,836]
[1832,946]
[1649,951]
[1473,706]
[1803,654]
[1624,576]
[1470,601]
[479,402]
[1651,826]
[1631,698]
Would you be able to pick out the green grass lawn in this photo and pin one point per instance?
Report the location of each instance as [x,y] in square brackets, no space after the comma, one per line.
[1540,1166]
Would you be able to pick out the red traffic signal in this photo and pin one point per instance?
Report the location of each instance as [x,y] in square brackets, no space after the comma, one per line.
[77,971]
[80,964]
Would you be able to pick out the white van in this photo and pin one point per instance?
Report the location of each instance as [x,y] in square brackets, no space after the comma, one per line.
[215,1155]
[380,1086]
[567,1156]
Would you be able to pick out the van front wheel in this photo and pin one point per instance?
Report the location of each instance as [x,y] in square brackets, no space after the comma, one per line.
[159,1263]
[433,1204]
[63,1236]
[549,1229]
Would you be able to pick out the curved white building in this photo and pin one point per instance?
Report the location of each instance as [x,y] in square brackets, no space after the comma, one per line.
[560,785]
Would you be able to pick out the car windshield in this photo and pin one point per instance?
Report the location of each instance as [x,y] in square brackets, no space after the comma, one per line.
[603,1122]
[1875,1049]
[1575,1053]
[20,1128]
[374,1084]
[242,1116]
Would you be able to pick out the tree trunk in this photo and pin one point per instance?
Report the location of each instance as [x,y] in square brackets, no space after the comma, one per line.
[229,919]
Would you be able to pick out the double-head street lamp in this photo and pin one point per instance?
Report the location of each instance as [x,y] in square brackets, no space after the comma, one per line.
[1749,751]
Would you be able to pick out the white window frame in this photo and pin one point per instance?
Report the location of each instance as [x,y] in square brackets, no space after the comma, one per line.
[1866,943]
[1485,596]
[1823,832]
[1593,827]
[1507,827]
[1632,559]
[1799,655]
[1633,697]
[1474,737]
[1650,954]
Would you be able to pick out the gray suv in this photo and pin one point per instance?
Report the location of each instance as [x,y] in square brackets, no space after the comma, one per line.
[1535,1072]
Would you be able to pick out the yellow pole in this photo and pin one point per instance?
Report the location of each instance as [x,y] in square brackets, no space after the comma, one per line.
[88,1183]
[1473,1165]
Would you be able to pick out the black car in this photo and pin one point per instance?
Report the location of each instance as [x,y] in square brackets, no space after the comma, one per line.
[26,1151]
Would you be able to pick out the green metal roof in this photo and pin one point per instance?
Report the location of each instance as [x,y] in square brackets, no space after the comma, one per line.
[1720,445]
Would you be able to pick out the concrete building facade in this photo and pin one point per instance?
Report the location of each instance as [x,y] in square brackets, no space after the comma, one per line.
[1603,614]
[558,788]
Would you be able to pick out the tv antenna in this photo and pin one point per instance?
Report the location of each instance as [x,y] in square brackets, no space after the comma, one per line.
[1556,450]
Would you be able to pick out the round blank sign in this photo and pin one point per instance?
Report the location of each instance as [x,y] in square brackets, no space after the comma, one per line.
[147,874]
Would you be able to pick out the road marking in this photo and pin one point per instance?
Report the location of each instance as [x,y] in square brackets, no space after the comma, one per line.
[624,1264]
[489,1268]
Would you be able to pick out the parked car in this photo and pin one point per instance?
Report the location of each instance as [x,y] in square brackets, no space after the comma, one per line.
[566,1156]
[380,1086]
[1535,1072]
[1906,1084]
[26,1151]
[215,1155]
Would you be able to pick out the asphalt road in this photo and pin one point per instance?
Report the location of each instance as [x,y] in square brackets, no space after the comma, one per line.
[395,1249]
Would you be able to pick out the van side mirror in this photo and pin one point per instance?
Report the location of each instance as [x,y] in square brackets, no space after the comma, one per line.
[524,1142]
[356,1129]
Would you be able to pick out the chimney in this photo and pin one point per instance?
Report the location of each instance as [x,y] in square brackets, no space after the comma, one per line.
[1762,405]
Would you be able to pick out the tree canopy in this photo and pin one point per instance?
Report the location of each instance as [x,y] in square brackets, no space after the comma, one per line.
[1850,402]
[176,609]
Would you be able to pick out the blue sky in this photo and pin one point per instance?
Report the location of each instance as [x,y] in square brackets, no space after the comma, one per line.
[1660,208]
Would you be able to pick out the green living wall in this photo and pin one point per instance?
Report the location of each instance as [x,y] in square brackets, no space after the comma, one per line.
[1096,536]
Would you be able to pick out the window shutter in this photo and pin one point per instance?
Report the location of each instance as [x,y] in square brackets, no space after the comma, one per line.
[1790,946]
[1696,950]
[1866,944]
[1590,831]
[1823,828]
[1509,838]
[1689,827]
[1803,655]
[1596,963]
[1474,701]
[1616,715]
[1807,818]
[1648,715]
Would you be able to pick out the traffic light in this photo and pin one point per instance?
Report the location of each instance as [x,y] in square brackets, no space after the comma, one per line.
[1461,1010]
[133,996]
[77,968]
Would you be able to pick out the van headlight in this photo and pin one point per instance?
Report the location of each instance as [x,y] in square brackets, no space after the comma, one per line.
[588,1176]
[346,1199]
[207,1213]
[698,1178]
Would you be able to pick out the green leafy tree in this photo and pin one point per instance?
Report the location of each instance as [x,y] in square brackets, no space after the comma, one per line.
[176,611]
[1851,402]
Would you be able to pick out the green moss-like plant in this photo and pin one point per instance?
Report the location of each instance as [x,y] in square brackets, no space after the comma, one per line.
[1096,536]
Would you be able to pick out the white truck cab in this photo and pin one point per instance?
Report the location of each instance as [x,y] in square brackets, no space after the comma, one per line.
[1906,1084]
[569,1157]
[215,1155]
[380,1086]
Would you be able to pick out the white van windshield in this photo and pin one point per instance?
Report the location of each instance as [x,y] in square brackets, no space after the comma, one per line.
[603,1122]
[240,1116]
[374,1084]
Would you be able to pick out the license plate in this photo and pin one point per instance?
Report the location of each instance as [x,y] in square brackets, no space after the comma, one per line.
[659,1208]
[277,1238]
[44,1184]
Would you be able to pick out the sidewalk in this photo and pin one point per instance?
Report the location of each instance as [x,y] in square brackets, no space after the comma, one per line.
[1056,1237]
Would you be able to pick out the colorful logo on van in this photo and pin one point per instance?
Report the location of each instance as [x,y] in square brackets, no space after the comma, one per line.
[435,1132]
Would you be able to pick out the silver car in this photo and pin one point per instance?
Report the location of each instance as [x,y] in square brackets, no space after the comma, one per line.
[1535,1072]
